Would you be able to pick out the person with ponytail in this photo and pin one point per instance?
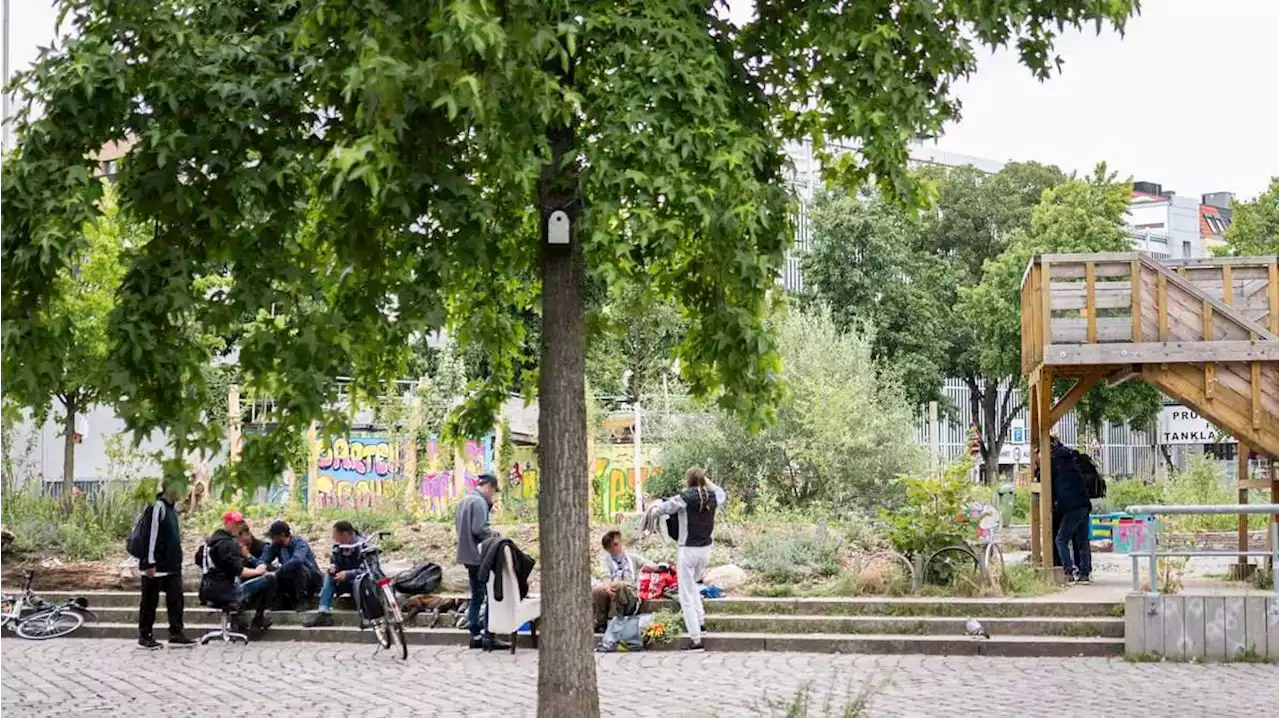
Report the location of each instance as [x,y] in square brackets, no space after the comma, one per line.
[695,512]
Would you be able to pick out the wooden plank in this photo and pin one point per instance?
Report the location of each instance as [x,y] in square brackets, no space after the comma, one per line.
[1175,647]
[1162,306]
[1073,297]
[1044,400]
[1076,331]
[1046,312]
[1210,381]
[1072,266]
[1135,613]
[1227,312]
[1135,297]
[1238,377]
[1255,625]
[1273,299]
[1215,628]
[1193,262]
[1234,622]
[1255,394]
[1254,484]
[1161,352]
[1226,284]
[1193,628]
[1242,496]
[1090,305]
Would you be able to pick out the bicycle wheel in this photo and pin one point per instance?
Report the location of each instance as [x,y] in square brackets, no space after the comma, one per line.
[397,635]
[381,632]
[950,565]
[50,624]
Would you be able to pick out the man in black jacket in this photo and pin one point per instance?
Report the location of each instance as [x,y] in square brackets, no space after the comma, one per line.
[228,577]
[1071,501]
[160,567]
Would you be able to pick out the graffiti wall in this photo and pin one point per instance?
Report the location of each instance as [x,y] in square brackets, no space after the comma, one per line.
[447,477]
[522,475]
[355,472]
[614,474]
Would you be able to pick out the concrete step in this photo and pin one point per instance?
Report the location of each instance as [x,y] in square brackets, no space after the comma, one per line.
[198,614]
[1056,646]
[918,625]
[956,607]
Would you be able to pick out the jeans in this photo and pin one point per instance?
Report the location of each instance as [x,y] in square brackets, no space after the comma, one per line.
[331,589]
[262,588]
[479,594]
[1072,542]
[297,582]
[151,587]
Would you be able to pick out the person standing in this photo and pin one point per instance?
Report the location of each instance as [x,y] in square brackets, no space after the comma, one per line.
[471,522]
[160,567]
[695,511]
[1071,501]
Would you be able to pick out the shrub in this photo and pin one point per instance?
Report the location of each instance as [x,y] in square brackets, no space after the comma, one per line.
[933,514]
[792,558]
[81,530]
[1022,505]
[1130,492]
[1205,483]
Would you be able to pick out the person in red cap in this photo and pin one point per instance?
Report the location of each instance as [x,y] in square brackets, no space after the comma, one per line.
[160,563]
[227,577]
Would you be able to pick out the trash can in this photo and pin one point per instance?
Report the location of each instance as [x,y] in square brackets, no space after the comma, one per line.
[1004,502]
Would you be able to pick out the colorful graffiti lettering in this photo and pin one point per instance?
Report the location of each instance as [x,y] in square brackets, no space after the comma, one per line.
[614,474]
[351,494]
[353,459]
[522,475]
[442,487]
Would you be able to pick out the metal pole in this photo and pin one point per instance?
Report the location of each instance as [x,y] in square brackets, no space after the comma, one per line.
[1137,584]
[1153,586]
[933,437]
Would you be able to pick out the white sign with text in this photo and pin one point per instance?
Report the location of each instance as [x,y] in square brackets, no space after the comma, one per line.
[1180,425]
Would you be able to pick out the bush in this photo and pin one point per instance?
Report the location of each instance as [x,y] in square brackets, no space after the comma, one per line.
[1022,505]
[1205,483]
[933,515]
[81,530]
[793,558]
[1131,492]
[839,441]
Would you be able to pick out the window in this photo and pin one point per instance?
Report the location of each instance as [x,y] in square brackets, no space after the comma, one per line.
[1186,249]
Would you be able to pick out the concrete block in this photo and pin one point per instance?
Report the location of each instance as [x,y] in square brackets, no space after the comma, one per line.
[1234,625]
[1215,628]
[1193,627]
[1273,628]
[1174,641]
[1153,628]
[1135,619]
[1255,625]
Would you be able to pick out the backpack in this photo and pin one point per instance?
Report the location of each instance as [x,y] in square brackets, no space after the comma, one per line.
[368,603]
[423,578]
[1095,487]
[216,589]
[135,544]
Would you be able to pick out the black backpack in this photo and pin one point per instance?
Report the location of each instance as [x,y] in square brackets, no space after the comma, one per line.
[423,578]
[135,544]
[1095,487]
[368,603]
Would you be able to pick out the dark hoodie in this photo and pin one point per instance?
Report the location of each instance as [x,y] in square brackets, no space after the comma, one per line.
[695,511]
[221,563]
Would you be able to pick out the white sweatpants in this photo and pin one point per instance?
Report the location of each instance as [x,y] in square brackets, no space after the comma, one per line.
[691,563]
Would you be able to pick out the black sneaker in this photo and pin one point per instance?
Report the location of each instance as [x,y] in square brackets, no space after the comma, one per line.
[476,642]
[180,640]
[319,620]
[260,624]
[600,648]
[492,643]
[691,646]
[1084,581]
[149,643]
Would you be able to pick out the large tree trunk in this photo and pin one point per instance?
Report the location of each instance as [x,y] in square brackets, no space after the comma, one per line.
[68,448]
[566,666]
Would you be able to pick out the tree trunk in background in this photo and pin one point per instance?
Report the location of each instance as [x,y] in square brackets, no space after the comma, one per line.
[566,664]
[69,448]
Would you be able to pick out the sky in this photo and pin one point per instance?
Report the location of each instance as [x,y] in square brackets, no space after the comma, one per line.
[1189,98]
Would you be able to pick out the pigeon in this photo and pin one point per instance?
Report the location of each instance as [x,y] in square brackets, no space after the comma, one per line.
[973,629]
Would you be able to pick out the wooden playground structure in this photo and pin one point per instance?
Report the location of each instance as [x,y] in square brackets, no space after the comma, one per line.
[1202,331]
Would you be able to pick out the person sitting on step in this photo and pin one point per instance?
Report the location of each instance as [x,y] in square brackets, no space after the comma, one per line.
[344,568]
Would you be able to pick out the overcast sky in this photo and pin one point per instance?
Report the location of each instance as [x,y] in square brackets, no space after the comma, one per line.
[1190,98]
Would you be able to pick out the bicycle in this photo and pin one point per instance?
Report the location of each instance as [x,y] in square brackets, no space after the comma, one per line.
[35,619]
[388,623]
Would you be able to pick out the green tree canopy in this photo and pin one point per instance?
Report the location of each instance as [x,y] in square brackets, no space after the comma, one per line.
[374,169]
[1253,231]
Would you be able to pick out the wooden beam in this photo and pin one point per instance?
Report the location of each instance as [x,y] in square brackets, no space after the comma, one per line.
[1226,284]
[1196,352]
[1206,314]
[1046,309]
[1190,288]
[1254,484]
[1210,379]
[1121,376]
[1081,387]
[1044,402]
[1255,394]
[1090,303]
[1135,298]
[1162,306]
[1273,299]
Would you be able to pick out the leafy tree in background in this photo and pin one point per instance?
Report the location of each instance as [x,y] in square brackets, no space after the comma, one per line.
[842,437]
[903,274]
[376,169]
[1253,231]
[634,334]
[62,352]
[1079,215]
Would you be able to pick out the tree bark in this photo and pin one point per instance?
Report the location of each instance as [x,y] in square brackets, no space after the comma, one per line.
[68,447]
[566,666]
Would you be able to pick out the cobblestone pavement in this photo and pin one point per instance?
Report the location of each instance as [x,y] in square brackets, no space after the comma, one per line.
[83,677]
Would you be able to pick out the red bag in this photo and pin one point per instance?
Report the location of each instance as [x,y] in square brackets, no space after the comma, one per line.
[657,584]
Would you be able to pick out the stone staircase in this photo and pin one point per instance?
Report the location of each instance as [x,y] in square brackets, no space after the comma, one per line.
[1018,627]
